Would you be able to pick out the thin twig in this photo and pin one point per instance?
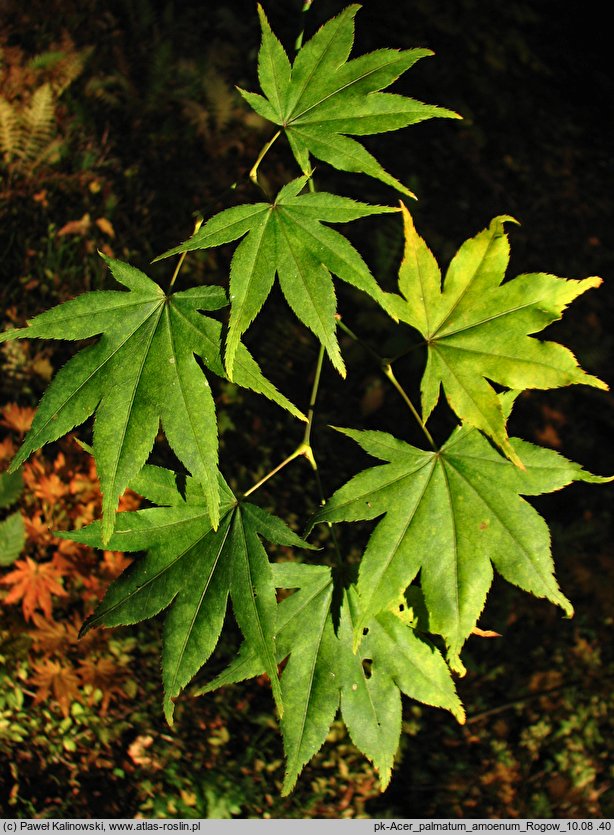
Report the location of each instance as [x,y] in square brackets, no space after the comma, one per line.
[524,699]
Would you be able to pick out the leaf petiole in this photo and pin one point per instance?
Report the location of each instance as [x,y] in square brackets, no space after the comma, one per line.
[312,405]
[388,372]
[253,174]
[197,226]
[302,449]
[387,369]
[356,338]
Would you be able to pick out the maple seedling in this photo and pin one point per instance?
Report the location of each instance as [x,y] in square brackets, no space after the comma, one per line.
[443,518]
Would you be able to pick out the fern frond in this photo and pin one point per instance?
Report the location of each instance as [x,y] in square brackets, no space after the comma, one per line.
[46,60]
[39,124]
[68,70]
[10,131]
[49,153]
[197,116]
[220,97]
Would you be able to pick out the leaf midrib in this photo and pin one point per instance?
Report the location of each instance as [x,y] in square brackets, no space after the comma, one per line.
[310,226]
[148,583]
[314,662]
[73,317]
[236,319]
[136,382]
[294,117]
[316,65]
[200,242]
[535,303]
[457,606]
[496,430]
[310,595]
[416,671]
[201,334]
[305,285]
[359,499]
[384,565]
[271,62]
[256,614]
[465,289]
[96,371]
[211,477]
[545,580]
[515,359]
[374,713]
[197,608]
[355,117]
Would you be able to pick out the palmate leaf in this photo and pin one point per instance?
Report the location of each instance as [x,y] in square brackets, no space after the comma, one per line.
[61,679]
[477,329]
[323,673]
[31,582]
[323,96]
[190,570]
[288,237]
[451,515]
[142,370]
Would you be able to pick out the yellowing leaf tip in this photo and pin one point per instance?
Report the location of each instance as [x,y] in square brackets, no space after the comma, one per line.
[384,778]
[593,281]
[263,18]
[456,665]
[408,220]
[501,219]
[85,446]
[515,459]
[485,633]
[169,710]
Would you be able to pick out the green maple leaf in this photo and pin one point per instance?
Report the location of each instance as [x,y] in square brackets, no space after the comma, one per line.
[12,538]
[190,570]
[142,370]
[392,659]
[323,673]
[451,515]
[477,329]
[288,237]
[11,488]
[323,96]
